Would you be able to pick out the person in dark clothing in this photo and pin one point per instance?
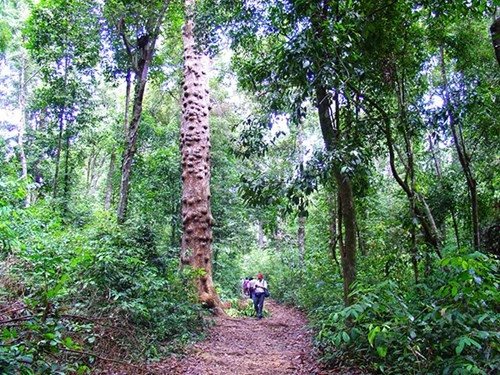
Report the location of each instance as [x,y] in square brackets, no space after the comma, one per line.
[259,295]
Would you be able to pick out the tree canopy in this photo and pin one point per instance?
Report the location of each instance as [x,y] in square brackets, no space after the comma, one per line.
[155,155]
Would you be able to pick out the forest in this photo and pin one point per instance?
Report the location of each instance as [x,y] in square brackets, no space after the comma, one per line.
[156,153]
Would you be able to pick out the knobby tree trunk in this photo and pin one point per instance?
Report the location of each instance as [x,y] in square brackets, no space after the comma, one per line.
[463,155]
[196,249]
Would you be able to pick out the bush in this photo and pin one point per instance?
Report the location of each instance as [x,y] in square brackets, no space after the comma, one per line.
[87,292]
[447,327]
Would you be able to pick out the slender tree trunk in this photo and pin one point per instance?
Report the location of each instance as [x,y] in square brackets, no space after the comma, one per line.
[140,56]
[66,172]
[431,236]
[348,214]
[495,37]
[128,89]
[61,132]
[196,249]
[58,154]
[437,165]
[112,161]
[130,142]
[301,239]
[332,227]
[21,130]
[348,251]
[414,260]
[261,234]
[361,243]
[463,156]
[278,235]
[301,232]
[109,180]
[95,163]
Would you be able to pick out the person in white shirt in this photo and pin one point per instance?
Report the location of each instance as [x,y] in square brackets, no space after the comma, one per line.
[259,295]
[251,287]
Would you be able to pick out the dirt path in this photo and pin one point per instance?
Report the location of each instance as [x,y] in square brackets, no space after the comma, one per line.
[278,344]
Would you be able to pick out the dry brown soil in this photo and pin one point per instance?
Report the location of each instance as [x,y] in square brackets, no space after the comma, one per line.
[279,344]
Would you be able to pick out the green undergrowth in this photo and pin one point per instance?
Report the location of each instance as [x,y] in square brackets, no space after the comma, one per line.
[449,325]
[75,297]
[239,308]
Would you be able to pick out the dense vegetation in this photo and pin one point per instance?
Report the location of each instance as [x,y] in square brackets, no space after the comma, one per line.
[354,161]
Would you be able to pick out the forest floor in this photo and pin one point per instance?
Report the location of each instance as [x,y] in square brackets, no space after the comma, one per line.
[279,344]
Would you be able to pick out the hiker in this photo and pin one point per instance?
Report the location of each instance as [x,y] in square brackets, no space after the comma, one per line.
[245,286]
[251,287]
[259,295]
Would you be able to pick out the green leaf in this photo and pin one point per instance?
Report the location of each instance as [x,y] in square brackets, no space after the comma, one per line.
[460,346]
[474,342]
[382,351]
[372,334]
[445,262]
[482,318]
[346,337]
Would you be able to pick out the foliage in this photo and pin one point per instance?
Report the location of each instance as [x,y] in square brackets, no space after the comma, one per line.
[451,328]
[80,285]
[71,279]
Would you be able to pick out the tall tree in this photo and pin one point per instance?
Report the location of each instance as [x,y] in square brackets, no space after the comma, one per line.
[64,39]
[301,231]
[138,26]
[197,220]
[5,32]
[466,119]
[284,54]
[12,19]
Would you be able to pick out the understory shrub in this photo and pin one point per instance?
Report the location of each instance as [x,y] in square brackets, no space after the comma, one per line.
[447,326]
[72,295]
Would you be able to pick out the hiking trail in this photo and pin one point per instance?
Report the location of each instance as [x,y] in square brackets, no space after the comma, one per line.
[278,344]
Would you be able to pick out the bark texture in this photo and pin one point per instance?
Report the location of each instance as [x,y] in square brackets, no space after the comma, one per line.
[331,130]
[140,54]
[495,37]
[133,130]
[347,212]
[197,220]
[301,232]
[463,154]
[21,130]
